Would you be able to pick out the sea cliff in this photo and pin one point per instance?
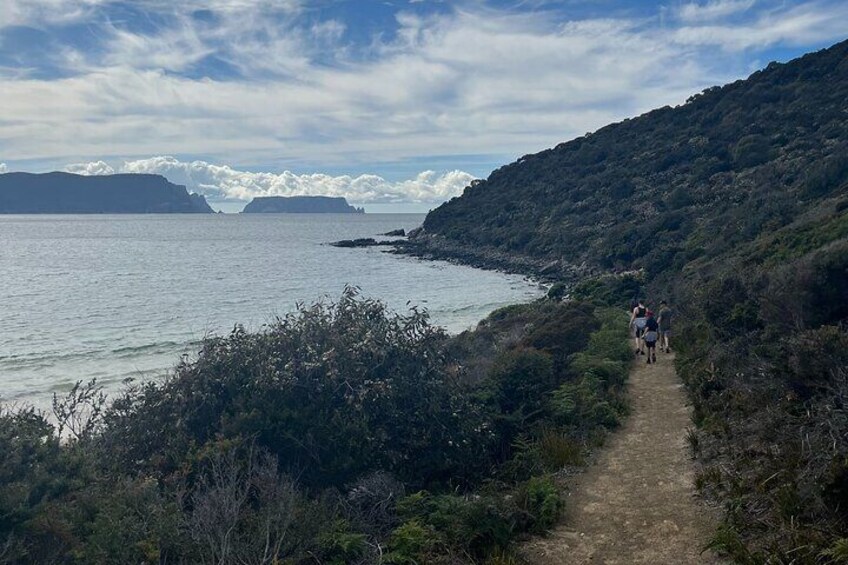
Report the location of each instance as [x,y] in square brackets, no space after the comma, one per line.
[66,193]
[300,205]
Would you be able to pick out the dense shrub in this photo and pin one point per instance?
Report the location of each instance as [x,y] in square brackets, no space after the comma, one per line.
[769,404]
[518,384]
[561,330]
[342,389]
[299,443]
[610,290]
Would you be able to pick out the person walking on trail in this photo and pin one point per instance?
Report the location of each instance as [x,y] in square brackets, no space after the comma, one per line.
[638,317]
[664,321]
[651,335]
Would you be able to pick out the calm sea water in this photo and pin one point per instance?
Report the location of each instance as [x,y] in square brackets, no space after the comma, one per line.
[112,297]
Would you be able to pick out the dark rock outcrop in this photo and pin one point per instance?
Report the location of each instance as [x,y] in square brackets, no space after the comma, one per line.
[66,193]
[395,233]
[361,242]
[300,205]
[435,247]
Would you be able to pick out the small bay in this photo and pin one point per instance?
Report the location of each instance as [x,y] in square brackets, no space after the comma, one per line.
[117,297]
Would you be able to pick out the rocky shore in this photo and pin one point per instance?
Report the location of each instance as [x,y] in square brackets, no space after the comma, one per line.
[431,247]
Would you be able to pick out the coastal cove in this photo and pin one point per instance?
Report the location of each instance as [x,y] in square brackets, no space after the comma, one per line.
[117,297]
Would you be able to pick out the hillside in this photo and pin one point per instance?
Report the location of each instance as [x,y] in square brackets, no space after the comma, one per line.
[300,205]
[733,206]
[662,189]
[66,193]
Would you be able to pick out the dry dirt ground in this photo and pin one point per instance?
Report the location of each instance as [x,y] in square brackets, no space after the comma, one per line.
[636,503]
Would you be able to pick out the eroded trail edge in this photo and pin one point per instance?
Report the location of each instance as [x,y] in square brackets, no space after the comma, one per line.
[637,503]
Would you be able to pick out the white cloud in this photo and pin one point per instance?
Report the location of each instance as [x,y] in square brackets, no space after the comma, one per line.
[693,12]
[800,25]
[222,181]
[471,82]
[45,12]
[94,168]
[40,13]
[3,168]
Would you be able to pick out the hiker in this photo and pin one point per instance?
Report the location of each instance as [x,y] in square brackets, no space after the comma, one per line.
[651,335]
[664,321]
[638,318]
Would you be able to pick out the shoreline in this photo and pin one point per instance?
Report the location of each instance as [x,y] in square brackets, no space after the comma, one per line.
[431,247]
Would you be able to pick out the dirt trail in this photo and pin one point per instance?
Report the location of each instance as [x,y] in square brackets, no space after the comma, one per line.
[636,503]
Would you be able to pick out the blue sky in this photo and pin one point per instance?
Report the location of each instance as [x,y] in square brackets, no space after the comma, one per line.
[394,103]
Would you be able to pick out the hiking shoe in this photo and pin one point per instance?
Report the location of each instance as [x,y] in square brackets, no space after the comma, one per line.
[641,352]
[655,357]
[649,361]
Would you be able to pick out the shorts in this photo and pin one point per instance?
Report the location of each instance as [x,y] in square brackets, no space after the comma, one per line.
[665,332]
[650,344]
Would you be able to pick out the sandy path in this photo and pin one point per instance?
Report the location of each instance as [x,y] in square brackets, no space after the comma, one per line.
[636,503]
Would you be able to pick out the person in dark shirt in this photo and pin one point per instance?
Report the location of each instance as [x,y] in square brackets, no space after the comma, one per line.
[637,322]
[651,335]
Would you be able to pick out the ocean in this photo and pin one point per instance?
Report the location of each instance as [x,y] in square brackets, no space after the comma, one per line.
[124,297]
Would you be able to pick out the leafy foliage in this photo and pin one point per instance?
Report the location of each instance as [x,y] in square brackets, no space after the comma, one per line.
[657,191]
[300,443]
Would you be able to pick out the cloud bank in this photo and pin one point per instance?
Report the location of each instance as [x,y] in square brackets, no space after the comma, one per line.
[292,84]
[220,182]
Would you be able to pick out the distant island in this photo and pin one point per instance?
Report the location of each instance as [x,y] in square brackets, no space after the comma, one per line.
[300,205]
[67,193]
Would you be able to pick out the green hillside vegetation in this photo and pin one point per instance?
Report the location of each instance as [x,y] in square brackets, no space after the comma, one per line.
[341,433]
[735,207]
[659,191]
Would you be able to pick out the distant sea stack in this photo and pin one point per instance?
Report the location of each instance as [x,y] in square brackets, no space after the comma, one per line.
[300,205]
[66,193]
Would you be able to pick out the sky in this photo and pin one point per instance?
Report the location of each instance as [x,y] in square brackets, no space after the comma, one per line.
[396,105]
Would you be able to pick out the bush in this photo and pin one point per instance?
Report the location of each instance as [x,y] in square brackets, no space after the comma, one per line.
[35,475]
[540,498]
[411,543]
[360,404]
[133,523]
[610,290]
[518,382]
[472,524]
[558,449]
[345,387]
[340,546]
[561,330]
[593,396]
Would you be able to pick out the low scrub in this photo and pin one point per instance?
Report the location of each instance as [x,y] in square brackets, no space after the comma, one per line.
[303,441]
[769,385]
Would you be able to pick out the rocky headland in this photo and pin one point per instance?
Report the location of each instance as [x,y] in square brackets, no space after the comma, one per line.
[66,193]
[300,205]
